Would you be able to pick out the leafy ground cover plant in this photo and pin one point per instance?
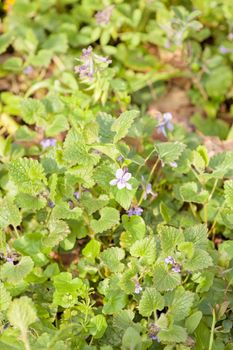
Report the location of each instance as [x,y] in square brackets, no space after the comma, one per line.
[116,225]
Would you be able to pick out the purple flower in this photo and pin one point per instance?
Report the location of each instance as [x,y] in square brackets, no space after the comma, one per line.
[173,164]
[10,260]
[153,331]
[121,180]
[120,158]
[135,211]
[138,288]
[169,260]
[71,204]
[103,17]
[224,50]
[28,70]
[165,124]
[90,63]
[48,143]
[176,268]
[51,204]
[77,195]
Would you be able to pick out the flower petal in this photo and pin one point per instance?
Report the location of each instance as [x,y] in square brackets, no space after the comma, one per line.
[121,185]
[119,173]
[126,176]
[113,182]
[128,186]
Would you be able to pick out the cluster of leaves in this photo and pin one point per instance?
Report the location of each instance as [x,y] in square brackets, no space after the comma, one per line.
[85,263]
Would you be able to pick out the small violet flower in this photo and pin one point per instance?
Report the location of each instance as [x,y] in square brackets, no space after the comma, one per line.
[225,50]
[173,164]
[103,17]
[153,331]
[135,211]
[138,288]
[28,70]
[169,260]
[48,143]
[89,62]
[176,268]
[121,180]
[77,195]
[166,124]
[51,204]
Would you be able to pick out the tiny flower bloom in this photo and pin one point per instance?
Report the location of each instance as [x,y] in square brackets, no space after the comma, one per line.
[121,180]
[173,164]
[71,204]
[10,260]
[103,17]
[51,204]
[138,288]
[135,211]
[176,268]
[120,158]
[77,195]
[28,70]
[224,50]
[165,124]
[153,331]
[48,143]
[169,260]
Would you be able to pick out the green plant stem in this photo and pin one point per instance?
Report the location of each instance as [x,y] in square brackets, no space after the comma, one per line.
[25,341]
[148,181]
[208,200]
[212,331]
[216,216]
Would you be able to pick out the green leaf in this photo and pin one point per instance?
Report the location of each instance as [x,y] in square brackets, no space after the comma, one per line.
[181,304]
[193,321]
[151,301]
[9,214]
[22,313]
[114,301]
[58,231]
[190,192]
[97,326]
[122,124]
[145,249]
[169,151]
[28,175]
[131,340]
[16,273]
[124,196]
[29,202]
[198,235]
[67,289]
[217,81]
[228,192]
[63,211]
[93,204]
[174,334]
[170,237]
[111,257]
[32,110]
[5,298]
[135,230]
[92,249]
[57,43]
[165,279]
[200,260]
[5,40]
[109,218]
[105,122]
[76,151]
